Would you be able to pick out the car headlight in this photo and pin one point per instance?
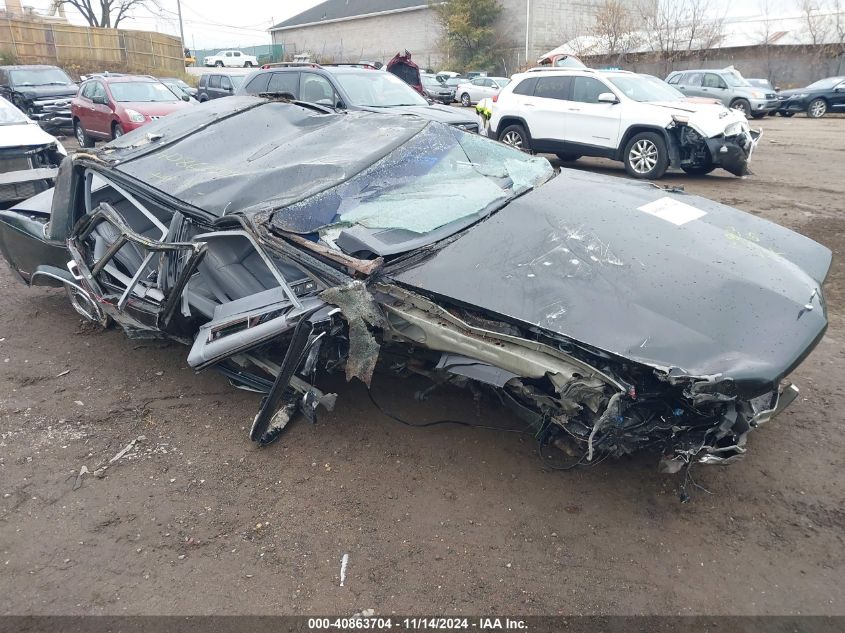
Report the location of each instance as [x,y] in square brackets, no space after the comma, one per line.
[135,116]
[801,95]
[758,95]
[733,129]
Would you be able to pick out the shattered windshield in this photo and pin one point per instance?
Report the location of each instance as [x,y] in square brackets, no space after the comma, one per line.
[39,77]
[439,176]
[10,115]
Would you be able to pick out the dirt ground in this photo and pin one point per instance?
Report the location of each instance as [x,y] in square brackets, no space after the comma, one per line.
[195,519]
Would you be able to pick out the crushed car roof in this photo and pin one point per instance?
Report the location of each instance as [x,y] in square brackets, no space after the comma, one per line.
[232,154]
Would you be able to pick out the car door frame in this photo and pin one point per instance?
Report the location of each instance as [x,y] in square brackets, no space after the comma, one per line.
[548,130]
[588,122]
[101,114]
[719,92]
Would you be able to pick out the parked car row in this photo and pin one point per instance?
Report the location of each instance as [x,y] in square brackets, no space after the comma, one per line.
[48,96]
[757,97]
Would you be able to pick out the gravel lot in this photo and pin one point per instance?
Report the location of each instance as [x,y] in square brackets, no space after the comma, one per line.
[195,519]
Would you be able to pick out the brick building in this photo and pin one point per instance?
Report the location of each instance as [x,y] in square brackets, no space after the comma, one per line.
[351,30]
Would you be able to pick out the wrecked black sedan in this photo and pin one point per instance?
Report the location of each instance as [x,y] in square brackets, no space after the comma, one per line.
[280,241]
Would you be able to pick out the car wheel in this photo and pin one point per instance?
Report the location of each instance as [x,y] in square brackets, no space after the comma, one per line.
[219,64]
[817,108]
[116,131]
[646,156]
[567,158]
[247,64]
[81,135]
[698,170]
[786,114]
[743,106]
[515,136]
[465,100]
[758,115]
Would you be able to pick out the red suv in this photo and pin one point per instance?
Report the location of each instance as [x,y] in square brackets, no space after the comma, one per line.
[108,106]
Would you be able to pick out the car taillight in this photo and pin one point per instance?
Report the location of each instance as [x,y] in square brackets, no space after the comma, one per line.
[495,98]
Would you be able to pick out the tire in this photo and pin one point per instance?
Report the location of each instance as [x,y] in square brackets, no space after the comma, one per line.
[116,131]
[758,115]
[218,64]
[203,99]
[698,170]
[786,114]
[81,135]
[465,100]
[247,64]
[817,108]
[646,156]
[515,136]
[743,106]
[568,158]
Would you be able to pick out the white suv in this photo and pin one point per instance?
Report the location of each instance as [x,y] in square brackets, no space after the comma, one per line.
[636,119]
[235,59]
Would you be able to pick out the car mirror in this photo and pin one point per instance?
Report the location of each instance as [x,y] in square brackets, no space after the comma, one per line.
[185,98]
[608,97]
[99,99]
[840,89]
[340,105]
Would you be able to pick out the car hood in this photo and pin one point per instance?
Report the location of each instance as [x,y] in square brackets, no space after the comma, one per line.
[708,119]
[795,91]
[156,109]
[24,135]
[668,280]
[440,113]
[49,92]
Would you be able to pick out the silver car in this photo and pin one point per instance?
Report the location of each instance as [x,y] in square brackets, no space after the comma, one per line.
[728,86]
[479,88]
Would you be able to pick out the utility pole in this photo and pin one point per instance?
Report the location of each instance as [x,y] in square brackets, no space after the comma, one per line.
[527,26]
[181,29]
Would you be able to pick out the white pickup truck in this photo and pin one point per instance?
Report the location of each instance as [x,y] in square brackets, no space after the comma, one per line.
[235,59]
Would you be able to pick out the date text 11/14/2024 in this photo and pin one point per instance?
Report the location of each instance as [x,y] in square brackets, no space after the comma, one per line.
[416,623]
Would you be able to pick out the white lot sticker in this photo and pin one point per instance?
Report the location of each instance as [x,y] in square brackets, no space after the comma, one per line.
[672,211]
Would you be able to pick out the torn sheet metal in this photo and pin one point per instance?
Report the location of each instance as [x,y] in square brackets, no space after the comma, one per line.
[360,311]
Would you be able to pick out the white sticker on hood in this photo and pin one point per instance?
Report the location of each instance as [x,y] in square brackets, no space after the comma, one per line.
[672,211]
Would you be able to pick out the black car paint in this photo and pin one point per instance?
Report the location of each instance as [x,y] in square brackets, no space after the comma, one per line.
[686,319]
[441,113]
[791,103]
[657,295]
[52,111]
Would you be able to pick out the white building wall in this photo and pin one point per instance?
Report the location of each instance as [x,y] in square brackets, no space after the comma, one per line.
[375,38]
[551,22]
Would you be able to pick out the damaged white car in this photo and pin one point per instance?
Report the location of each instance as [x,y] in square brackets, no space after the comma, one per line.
[282,241]
[637,119]
[29,156]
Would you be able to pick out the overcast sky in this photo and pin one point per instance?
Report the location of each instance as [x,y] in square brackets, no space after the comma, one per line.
[228,23]
[208,23]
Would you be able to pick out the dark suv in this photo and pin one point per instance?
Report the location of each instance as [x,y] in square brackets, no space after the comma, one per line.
[216,85]
[42,92]
[352,88]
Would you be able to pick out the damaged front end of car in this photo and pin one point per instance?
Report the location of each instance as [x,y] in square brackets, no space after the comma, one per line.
[336,242]
[702,145]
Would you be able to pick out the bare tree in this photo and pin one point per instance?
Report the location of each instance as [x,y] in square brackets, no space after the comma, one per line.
[106,13]
[818,26]
[615,28]
[674,28]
